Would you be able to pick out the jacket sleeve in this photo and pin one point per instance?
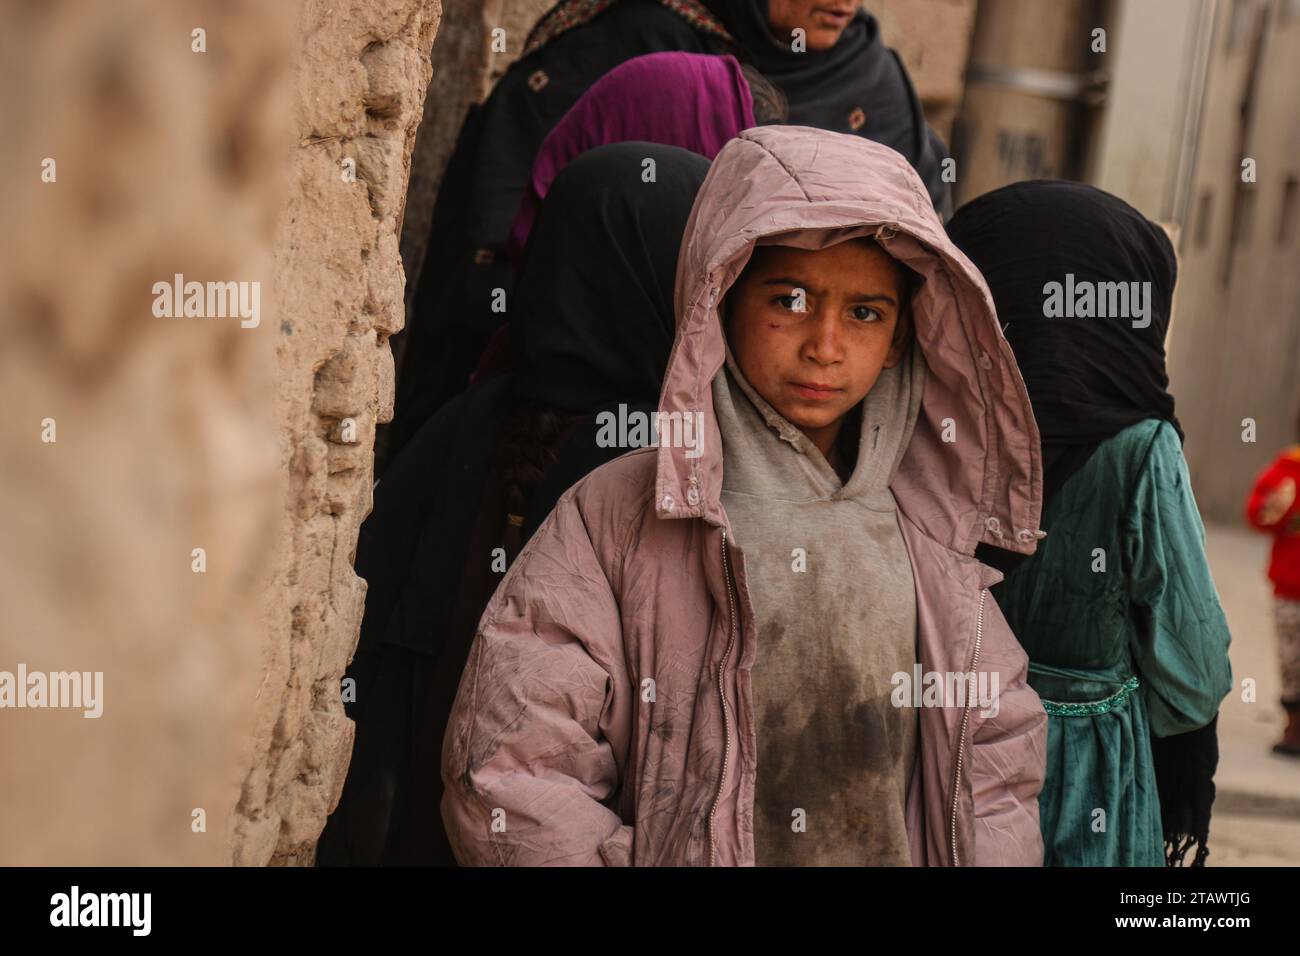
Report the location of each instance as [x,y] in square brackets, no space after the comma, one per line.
[1267,481]
[1008,754]
[539,727]
[1181,641]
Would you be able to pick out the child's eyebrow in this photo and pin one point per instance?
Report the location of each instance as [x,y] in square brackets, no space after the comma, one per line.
[856,297]
[875,297]
[796,283]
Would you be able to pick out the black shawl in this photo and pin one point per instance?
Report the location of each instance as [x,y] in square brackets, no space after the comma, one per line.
[857,86]
[594,323]
[1088,379]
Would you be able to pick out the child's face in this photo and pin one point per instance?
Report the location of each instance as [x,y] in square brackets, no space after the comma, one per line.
[814,364]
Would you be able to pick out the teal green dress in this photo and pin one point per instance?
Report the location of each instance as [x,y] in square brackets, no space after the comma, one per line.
[1125,636]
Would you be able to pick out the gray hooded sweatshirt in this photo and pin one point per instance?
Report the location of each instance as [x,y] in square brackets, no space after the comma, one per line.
[832,589]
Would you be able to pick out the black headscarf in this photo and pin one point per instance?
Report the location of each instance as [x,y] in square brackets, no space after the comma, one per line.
[857,86]
[1088,379]
[595,315]
[596,295]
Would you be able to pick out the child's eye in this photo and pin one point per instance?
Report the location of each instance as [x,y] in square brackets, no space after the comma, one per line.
[792,302]
[866,313]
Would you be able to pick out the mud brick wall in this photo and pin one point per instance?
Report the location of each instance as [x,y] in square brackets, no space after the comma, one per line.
[361,76]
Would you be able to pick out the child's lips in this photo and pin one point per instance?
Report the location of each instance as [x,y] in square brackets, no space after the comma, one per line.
[815,390]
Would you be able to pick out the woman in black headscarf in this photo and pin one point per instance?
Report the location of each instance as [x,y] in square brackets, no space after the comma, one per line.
[594,326]
[838,75]
[854,85]
[1117,610]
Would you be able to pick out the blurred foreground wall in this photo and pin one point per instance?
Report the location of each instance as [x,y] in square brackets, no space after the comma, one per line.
[130,440]
[182,487]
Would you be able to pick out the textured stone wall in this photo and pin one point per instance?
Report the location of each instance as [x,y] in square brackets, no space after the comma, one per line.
[131,439]
[361,76]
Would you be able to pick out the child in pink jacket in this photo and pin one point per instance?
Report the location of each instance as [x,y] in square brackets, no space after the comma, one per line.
[765,640]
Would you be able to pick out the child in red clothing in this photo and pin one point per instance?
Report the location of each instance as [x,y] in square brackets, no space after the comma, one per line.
[1272,508]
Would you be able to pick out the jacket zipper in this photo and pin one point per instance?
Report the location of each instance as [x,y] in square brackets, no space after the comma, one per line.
[722,695]
[965,719]
[726,712]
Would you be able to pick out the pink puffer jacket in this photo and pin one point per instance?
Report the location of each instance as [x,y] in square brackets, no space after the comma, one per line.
[605,715]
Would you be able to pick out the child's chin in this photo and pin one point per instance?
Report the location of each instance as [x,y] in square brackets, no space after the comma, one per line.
[802,417]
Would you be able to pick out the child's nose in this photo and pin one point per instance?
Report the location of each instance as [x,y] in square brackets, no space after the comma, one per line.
[825,344]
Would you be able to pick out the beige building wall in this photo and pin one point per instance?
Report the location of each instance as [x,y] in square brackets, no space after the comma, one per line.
[1029,93]
[1186,91]
[1234,348]
[1145,139]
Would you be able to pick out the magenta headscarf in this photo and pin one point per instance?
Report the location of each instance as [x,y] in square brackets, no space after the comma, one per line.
[691,100]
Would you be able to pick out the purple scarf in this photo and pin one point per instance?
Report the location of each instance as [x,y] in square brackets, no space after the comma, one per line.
[691,100]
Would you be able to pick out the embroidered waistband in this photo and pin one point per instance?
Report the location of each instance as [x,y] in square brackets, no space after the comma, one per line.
[1056,708]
